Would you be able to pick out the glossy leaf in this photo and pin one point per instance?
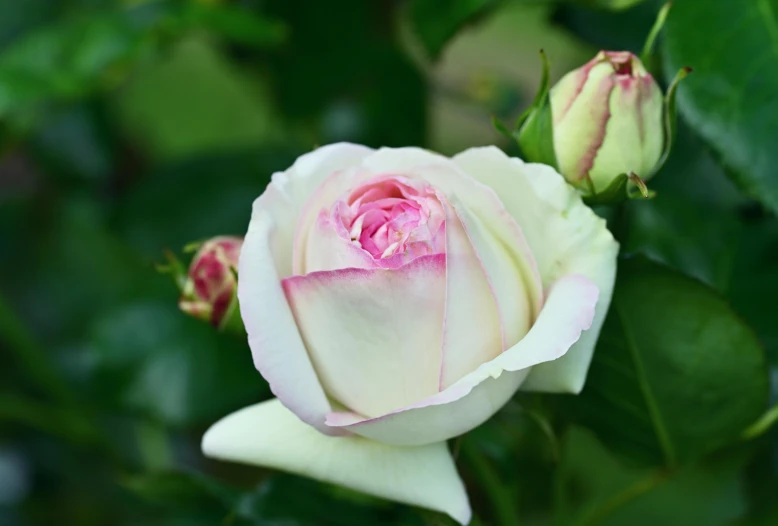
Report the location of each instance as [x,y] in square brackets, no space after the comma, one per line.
[151,358]
[676,373]
[436,21]
[730,100]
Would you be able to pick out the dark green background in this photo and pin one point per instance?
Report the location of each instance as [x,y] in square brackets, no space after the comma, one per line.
[128,127]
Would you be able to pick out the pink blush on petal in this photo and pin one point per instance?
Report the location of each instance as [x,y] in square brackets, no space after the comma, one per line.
[393,218]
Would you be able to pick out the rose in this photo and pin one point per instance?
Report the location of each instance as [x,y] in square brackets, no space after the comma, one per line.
[396,298]
[208,290]
[607,118]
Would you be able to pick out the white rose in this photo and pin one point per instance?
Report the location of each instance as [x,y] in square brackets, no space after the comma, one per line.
[396,298]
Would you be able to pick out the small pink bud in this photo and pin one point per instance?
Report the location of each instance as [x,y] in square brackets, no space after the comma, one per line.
[210,287]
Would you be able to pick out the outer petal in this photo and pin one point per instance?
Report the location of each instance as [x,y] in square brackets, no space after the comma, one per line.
[288,191]
[569,310]
[278,350]
[268,435]
[374,336]
[565,236]
[498,241]
[472,332]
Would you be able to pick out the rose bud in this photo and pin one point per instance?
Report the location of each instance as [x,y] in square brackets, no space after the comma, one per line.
[209,291]
[607,121]
[394,299]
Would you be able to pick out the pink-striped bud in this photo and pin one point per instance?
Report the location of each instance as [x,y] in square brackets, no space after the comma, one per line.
[607,119]
[209,292]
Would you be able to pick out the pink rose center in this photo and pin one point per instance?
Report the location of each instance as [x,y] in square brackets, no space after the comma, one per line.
[393,216]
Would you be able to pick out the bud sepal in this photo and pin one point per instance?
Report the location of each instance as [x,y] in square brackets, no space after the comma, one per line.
[209,287]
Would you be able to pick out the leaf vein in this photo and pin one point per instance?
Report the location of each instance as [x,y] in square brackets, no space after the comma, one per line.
[653,409]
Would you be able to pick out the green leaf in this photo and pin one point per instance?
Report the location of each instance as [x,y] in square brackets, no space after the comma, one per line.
[155,215]
[615,5]
[435,22]
[232,110]
[675,375]
[600,489]
[730,100]
[235,23]
[699,240]
[151,358]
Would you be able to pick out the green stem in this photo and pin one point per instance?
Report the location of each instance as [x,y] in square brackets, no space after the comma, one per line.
[648,47]
[764,423]
[30,355]
[629,494]
[503,503]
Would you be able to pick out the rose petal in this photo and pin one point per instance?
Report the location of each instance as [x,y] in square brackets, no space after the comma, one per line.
[374,336]
[568,310]
[565,236]
[288,191]
[327,250]
[269,435]
[472,332]
[278,350]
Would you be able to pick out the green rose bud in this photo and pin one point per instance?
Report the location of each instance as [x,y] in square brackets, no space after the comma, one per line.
[607,121]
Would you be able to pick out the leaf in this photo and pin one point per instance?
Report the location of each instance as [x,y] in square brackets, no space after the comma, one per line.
[151,358]
[232,111]
[699,240]
[156,215]
[675,375]
[234,23]
[730,100]
[615,5]
[435,22]
[596,485]
[625,30]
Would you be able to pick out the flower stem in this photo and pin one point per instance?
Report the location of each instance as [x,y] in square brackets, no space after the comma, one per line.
[503,502]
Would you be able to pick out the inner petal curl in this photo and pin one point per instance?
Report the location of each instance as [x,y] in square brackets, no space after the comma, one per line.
[395,219]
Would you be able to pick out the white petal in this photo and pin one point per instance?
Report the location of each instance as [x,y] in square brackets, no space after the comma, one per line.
[327,250]
[498,242]
[278,350]
[565,237]
[374,336]
[472,332]
[321,198]
[569,310]
[268,435]
[266,258]
[288,191]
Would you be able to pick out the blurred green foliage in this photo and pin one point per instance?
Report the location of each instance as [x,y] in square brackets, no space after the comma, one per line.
[128,127]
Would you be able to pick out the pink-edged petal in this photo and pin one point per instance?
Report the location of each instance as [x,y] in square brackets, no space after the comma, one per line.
[288,191]
[499,244]
[472,333]
[374,336]
[513,289]
[565,236]
[265,259]
[322,197]
[276,346]
[327,249]
[268,435]
[568,310]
